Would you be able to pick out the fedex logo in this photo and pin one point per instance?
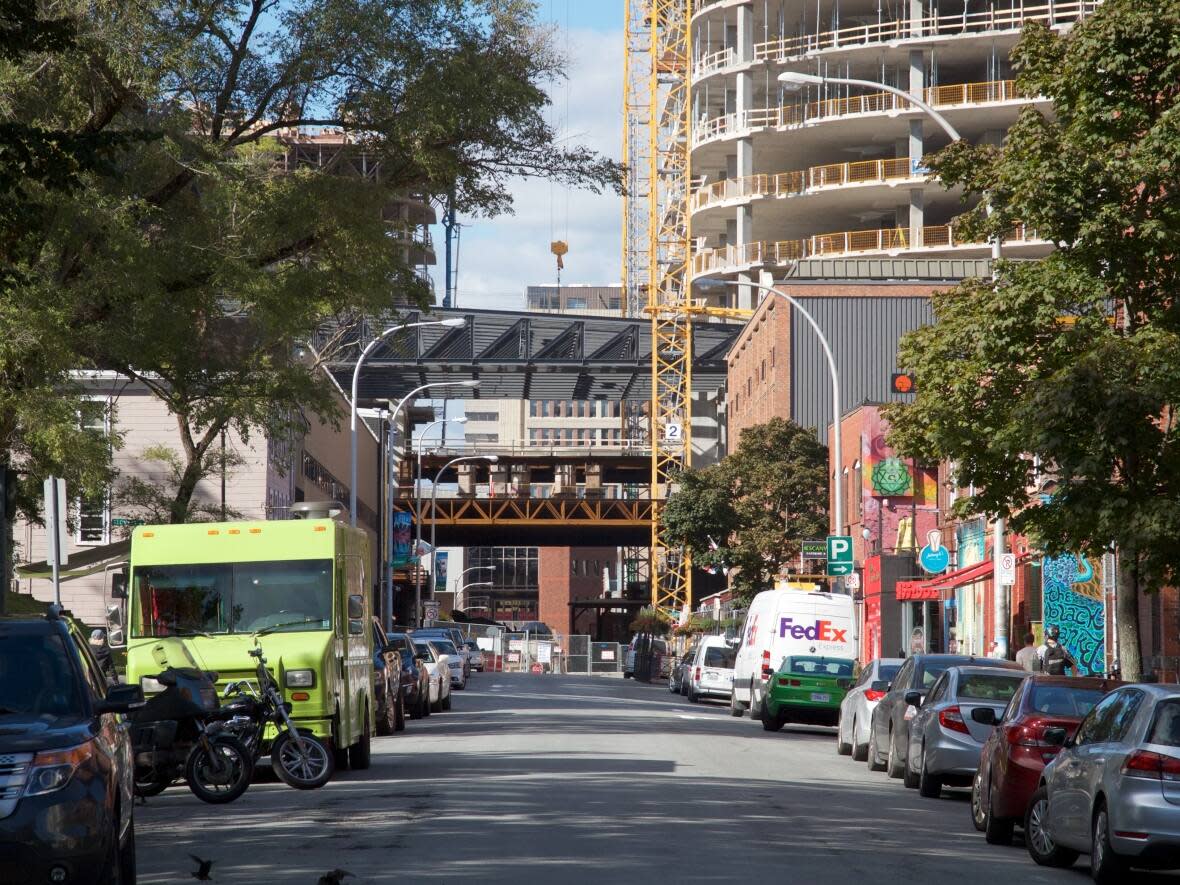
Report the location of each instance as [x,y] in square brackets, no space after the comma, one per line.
[822,631]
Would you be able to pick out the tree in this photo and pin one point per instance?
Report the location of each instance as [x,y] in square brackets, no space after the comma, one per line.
[1068,368]
[199,260]
[153,498]
[750,511]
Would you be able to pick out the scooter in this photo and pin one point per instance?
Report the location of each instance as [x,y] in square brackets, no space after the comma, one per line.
[298,757]
[171,738]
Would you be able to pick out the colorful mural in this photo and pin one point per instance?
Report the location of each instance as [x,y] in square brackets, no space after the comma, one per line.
[1072,600]
[886,475]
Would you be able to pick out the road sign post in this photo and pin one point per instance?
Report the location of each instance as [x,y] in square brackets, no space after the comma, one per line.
[839,555]
[55,529]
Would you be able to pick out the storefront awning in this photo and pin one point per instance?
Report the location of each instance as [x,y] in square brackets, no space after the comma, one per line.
[81,562]
[934,587]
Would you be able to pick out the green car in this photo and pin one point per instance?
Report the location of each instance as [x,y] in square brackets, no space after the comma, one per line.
[807,689]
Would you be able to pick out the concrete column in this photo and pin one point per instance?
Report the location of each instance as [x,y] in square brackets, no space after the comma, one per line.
[743,222]
[744,36]
[917,142]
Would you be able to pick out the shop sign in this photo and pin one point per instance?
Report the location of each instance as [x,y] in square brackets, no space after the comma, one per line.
[914,591]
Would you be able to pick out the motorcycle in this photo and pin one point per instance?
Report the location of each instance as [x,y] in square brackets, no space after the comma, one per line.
[171,738]
[298,757]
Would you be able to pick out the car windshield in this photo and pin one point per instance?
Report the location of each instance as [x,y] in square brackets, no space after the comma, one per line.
[407,658]
[719,656]
[989,686]
[1166,728]
[445,646]
[237,597]
[424,649]
[820,666]
[36,677]
[1064,700]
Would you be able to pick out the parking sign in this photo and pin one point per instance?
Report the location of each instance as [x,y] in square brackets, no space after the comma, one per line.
[839,555]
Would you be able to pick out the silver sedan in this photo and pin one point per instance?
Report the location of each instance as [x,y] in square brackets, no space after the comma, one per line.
[952,724]
[1113,791]
[856,710]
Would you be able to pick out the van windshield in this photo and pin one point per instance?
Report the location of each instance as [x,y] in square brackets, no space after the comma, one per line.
[231,597]
[718,656]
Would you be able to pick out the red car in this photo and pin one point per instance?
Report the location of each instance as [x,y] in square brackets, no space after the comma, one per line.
[1016,752]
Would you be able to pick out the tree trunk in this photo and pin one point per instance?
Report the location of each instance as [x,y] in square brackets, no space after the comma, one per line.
[1126,606]
[184,492]
[194,466]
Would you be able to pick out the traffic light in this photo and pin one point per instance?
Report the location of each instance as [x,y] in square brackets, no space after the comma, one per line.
[902,382]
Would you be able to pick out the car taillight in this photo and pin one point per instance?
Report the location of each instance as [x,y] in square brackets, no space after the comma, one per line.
[1145,763]
[872,694]
[697,677]
[952,720]
[766,665]
[792,683]
[1027,736]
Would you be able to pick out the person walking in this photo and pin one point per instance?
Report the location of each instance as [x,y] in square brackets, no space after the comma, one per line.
[1054,656]
[1027,657]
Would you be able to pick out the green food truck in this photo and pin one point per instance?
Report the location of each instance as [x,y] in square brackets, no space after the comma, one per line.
[298,587]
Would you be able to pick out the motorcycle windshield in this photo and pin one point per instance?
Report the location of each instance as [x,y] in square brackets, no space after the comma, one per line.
[173,652]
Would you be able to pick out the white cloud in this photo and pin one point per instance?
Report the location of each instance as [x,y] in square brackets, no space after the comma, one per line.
[499,257]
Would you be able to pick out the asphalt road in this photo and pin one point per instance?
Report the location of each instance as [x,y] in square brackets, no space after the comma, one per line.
[567,779]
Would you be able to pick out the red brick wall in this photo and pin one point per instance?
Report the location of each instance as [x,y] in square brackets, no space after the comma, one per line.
[759,375]
[567,574]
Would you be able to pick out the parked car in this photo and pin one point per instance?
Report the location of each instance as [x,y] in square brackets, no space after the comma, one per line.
[807,689]
[435,662]
[784,622]
[677,683]
[658,647]
[1113,791]
[415,685]
[67,807]
[456,662]
[474,655]
[387,681]
[889,728]
[856,710]
[953,721]
[711,673]
[454,636]
[1016,751]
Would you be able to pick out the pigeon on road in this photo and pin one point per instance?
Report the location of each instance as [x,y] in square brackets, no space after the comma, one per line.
[333,877]
[201,873]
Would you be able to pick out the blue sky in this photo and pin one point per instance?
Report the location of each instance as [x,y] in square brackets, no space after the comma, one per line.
[499,257]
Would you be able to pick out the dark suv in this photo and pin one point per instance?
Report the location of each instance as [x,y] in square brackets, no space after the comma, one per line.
[65,759]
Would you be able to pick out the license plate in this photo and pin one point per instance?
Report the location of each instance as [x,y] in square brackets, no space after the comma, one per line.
[821,697]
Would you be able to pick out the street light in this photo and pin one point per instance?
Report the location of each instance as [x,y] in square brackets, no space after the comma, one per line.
[356,375]
[422,436]
[462,593]
[418,495]
[490,459]
[793,81]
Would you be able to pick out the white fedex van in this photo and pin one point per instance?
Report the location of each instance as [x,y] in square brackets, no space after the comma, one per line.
[783,622]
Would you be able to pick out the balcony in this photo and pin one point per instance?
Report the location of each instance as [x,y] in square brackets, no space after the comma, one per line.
[790,184]
[887,241]
[805,113]
[876,34]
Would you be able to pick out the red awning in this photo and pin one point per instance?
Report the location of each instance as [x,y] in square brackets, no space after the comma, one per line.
[961,577]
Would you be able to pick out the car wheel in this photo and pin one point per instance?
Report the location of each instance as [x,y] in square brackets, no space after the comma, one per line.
[386,715]
[910,777]
[978,813]
[996,830]
[894,766]
[1105,865]
[860,752]
[873,756]
[120,865]
[929,786]
[360,754]
[399,713]
[446,702]
[673,688]
[772,722]
[843,747]
[1041,847]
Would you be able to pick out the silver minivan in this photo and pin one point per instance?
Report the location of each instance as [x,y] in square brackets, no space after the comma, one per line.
[710,675]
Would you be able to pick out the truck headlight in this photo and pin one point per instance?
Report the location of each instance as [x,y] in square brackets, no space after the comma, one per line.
[150,685]
[300,678]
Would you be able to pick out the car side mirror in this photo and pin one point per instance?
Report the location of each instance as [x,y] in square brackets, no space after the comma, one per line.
[984,715]
[356,606]
[118,585]
[879,685]
[913,698]
[120,699]
[1055,737]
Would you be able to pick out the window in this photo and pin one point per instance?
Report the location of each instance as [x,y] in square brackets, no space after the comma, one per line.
[94,511]
[1166,728]
[577,303]
[47,685]
[905,675]
[1125,715]
[772,357]
[989,687]
[485,416]
[938,690]
[1061,700]
[482,437]
[764,370]
[720,656]
[1096,726]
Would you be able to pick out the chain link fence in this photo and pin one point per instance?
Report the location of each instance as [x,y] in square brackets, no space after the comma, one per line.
[510,652]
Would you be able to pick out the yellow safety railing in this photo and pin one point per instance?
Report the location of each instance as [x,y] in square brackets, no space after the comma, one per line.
[799,113]
[887,239]
[786,184]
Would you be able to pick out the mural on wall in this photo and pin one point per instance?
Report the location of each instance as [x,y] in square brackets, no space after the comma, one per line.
[969,614]
[1072,600]
[885,477]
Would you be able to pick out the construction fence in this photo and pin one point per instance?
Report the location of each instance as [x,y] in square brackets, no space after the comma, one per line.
[509,652]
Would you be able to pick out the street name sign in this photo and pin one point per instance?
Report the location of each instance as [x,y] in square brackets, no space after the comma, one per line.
[814,549]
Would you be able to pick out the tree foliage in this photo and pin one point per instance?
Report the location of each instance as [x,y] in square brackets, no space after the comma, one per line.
[1053,391]
[196,258]
[756,505]
[151,495]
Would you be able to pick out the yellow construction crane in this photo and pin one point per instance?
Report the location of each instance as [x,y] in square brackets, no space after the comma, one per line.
[657,254]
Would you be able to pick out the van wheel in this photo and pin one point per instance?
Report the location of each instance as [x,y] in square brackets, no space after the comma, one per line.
[360,754]
[735,706]
[756,708]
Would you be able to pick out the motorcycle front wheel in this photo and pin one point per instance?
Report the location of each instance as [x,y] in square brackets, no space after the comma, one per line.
[307,769]
[221,776]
